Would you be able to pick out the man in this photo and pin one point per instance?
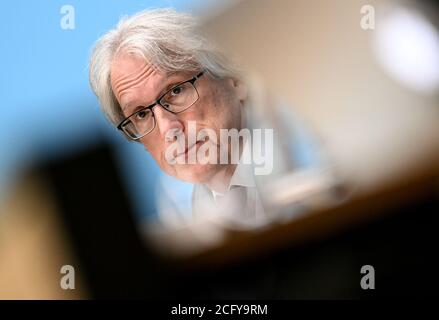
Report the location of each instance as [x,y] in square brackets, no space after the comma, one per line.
[165,86]
[156,79]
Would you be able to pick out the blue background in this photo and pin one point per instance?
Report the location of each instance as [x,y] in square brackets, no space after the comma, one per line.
[47,108]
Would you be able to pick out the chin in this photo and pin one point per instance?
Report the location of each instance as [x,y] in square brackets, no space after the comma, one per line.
[195,173]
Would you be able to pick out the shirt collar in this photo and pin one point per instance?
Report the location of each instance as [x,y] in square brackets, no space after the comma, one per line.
[242,176]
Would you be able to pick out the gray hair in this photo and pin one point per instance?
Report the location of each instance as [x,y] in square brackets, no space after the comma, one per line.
[165,38]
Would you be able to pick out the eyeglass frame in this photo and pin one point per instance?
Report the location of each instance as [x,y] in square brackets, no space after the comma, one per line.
[157,102]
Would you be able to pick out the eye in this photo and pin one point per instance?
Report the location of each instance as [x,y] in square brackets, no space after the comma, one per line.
[176,91]
[141,115]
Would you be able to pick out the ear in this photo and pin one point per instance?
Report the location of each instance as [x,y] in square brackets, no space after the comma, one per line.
[240,88]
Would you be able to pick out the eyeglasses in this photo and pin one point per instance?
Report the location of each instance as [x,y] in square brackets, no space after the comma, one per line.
[177,99]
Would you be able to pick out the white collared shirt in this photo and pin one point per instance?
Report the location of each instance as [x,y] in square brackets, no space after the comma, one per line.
[240,206]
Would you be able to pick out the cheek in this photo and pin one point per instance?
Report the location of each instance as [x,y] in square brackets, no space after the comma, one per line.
[214,106]
[225,110]
[153,145]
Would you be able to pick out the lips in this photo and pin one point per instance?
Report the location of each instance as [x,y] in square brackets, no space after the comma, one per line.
[186,151]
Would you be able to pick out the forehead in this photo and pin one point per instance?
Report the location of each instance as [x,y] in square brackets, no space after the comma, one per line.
[127,69]
[129,72]
[125,63]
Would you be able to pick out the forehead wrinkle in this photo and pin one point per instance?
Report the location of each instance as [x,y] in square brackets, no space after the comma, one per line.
[132,76]
[131,85]
[125,82]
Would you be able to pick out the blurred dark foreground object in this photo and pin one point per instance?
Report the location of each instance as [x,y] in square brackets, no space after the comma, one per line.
[320,256]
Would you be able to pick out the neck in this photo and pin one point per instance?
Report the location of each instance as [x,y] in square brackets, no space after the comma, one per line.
[221,180]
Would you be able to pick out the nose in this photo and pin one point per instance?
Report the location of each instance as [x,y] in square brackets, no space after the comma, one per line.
[167,122]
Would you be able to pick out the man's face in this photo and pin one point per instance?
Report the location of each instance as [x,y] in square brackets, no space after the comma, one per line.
[136,83]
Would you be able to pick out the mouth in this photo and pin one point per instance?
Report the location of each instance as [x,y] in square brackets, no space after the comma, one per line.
[186,151]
